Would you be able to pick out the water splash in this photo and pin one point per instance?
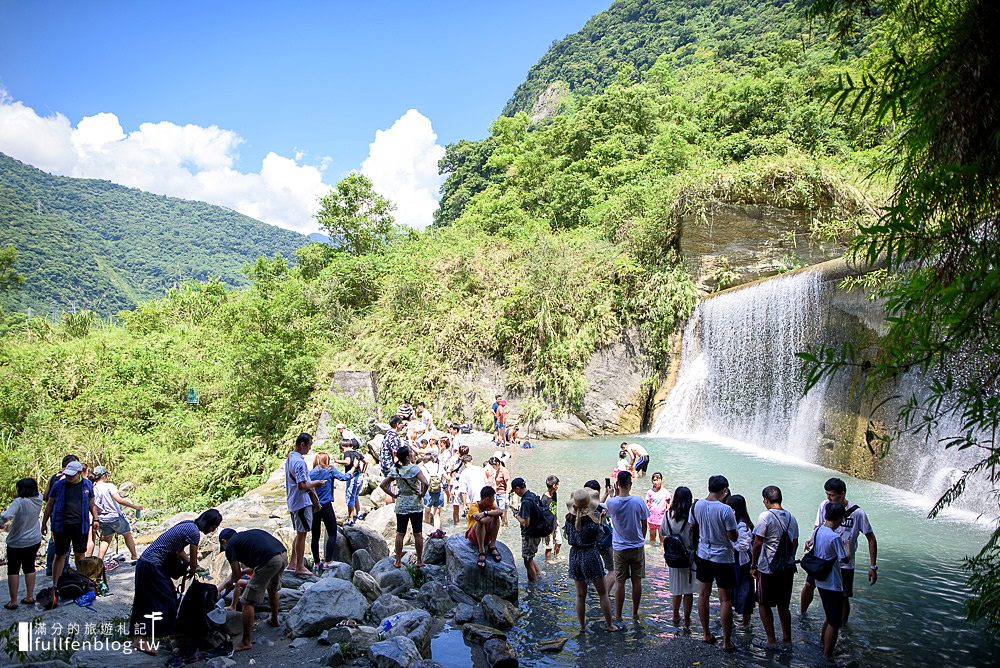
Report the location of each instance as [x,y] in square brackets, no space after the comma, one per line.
[739,375]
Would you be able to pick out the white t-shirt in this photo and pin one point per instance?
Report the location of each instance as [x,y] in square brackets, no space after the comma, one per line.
[431,469]
[471,481]
[714,520]
[107,508]
[743,542]
[828,545]
[770,525]
[853,526]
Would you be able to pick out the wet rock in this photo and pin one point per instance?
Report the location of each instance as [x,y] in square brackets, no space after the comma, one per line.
[459,596]
[396,652]
[498,612]
[434,552]
[413,624]
[324,604]
[367,585]
[552,644]
[362,560]
[499,654]
[362,537]
[499,578]
[433,597]
[427,663]
[480,633]
[387,605]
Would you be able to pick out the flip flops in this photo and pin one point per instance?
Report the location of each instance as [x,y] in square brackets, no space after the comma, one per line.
[481,560]
[10,606]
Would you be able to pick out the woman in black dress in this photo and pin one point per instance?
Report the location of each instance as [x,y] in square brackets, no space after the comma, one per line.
[583,531]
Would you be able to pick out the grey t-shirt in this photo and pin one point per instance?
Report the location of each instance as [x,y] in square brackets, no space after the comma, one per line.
[296,471]
[770,525]
[714,519]
[25,528]
[107,508]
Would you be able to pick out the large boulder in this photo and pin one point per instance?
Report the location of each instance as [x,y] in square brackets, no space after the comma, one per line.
[498,612]
[363,537]
[413,624]
[392,580]
[434,552]
[396,652]
[367,585]
[499,578]
[362,638]
[329,601]
[338,569]
[499,654]
[466,613]
[434,598]
[388,605]
[383,521]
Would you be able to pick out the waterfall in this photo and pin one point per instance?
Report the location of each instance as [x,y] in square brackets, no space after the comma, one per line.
[739,376]
[740,379]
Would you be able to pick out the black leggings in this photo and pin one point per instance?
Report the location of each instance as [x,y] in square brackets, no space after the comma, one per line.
[324,516]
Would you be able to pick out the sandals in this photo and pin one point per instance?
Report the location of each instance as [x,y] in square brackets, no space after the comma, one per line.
[481,560]
[495,553]
[10,606]
[28,601]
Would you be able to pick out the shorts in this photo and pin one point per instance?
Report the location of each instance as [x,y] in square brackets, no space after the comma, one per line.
[503,501]
[608,557]
[846,576]
[434,499]
[70,535]
[554,539]
[21,559]
[415,519]
[642,464]
[630,563]
[352,492]
[266,579]
[499,425]
[775,589]
[529,546]
[833,606]
[302,519]
[119,526]
[724,574]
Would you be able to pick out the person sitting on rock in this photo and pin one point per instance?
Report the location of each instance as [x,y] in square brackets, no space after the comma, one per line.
[484,525]
[262,552]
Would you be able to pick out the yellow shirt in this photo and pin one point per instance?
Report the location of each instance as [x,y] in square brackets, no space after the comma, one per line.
[475,508]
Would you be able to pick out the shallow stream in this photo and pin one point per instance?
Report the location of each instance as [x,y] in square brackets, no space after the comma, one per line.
[912,617]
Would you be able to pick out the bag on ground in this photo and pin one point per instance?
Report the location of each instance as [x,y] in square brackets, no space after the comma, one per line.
[73,585]
[193,624]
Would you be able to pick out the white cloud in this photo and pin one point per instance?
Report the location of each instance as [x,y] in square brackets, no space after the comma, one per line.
[403,166]
[196,162]
[186,161]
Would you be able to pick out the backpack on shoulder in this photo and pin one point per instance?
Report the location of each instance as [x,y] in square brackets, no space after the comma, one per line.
[674,551]
[783,559]
[542,520]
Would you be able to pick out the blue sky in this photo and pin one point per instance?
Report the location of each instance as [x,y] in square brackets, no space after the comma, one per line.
[313,82]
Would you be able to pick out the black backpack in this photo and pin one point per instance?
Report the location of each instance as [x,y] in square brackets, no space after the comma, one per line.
[193,624]
[784,555]
[542,521]
[674,552]
[73,585]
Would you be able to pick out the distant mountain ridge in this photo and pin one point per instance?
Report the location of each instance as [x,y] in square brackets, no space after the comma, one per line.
[86,243]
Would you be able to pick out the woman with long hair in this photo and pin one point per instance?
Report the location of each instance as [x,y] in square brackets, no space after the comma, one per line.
[323,470]
[682,581]
[411,485]
[583,531]
[743,592]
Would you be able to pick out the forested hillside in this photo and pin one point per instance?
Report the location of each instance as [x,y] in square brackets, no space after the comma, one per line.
[89,244]
[638,32]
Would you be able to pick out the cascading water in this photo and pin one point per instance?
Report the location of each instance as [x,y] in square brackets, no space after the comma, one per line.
[740,379]
[739,376]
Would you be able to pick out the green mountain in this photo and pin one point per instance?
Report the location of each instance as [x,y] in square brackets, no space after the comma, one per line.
[84,243]
[637,32]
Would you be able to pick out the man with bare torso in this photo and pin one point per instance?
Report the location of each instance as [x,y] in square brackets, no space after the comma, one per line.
[639,458]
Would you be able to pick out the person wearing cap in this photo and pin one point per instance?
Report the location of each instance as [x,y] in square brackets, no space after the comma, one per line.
[262,552]
[583,532]
[73,512]
[50,552]
[112,520]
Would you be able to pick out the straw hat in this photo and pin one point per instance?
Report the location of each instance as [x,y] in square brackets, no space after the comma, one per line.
[583,502]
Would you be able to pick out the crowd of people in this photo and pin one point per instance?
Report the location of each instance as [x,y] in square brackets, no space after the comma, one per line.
[707,543]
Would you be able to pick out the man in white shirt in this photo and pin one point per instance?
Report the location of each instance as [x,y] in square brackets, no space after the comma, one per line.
[774,581]
[854,525]
[348,435]
[471,481]
[717,532]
